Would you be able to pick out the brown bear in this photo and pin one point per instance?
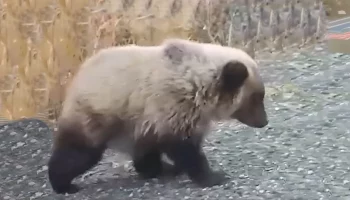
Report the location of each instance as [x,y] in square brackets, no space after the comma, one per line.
[148,101]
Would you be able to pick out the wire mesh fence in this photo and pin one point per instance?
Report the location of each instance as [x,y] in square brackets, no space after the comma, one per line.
[43,42]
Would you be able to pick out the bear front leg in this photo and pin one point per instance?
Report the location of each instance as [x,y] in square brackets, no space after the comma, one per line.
[148,163]
[190,158]
[171,170]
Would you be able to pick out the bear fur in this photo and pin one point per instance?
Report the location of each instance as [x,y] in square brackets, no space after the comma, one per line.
[145,101]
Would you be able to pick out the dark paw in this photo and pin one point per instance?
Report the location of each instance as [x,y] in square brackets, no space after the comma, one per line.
[149,170]
[149,174]
[71,189]
[212,179]
[149,165]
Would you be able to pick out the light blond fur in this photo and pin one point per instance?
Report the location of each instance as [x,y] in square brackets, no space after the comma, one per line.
[145,92]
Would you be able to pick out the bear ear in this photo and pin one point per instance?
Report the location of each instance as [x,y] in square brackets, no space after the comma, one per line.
[175,51]
[233,75]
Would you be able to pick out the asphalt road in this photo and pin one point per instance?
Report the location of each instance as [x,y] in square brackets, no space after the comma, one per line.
[339,25]
[304,153]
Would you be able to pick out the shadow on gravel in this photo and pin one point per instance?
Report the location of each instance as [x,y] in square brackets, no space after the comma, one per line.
[303,154]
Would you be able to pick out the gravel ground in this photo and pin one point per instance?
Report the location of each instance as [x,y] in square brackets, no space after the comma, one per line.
[303,154]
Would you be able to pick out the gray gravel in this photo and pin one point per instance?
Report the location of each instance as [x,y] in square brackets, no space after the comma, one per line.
[304,154]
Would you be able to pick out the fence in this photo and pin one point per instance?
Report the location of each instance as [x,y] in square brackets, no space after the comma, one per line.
[42,42]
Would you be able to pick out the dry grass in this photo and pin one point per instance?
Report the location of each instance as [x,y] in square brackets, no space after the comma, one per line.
[43,42]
